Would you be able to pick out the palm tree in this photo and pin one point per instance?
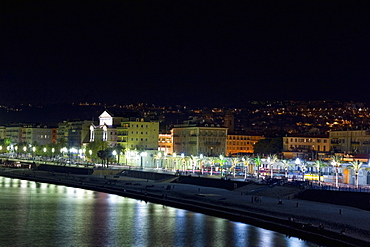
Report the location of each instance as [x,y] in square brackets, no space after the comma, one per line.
[257,163]
[271,160]
[286,165]
[157,158]
[247,160]
[356,166]
[303,168]
[193,161]
[234,162]
[212,160]
[319,164]
[336,163]
[119,149]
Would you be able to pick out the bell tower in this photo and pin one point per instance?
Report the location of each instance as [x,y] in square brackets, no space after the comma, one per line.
[229,122]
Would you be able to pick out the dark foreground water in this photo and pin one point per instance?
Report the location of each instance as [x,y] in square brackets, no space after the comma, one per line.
[40,214]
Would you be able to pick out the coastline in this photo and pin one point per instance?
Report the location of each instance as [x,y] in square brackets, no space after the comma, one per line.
[294,217]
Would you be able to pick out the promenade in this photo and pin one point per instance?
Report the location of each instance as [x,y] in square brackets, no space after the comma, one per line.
[328,224]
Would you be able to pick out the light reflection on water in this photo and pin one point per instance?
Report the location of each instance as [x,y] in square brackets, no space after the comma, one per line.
[40,214]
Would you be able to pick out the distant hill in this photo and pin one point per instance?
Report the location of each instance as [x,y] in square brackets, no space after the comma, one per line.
[50,115]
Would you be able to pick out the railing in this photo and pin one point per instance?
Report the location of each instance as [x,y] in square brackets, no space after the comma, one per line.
[342,187]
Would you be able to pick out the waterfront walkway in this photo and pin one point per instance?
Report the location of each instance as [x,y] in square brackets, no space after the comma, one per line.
[318,221]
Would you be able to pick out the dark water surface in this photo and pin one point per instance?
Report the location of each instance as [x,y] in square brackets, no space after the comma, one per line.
[40,214]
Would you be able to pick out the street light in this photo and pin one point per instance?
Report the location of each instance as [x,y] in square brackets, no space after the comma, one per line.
[174,161]
[71,152]
[201,162]
[114,154]
[221,164]
[297,162]
[183,161]
[165,161]
[304,167]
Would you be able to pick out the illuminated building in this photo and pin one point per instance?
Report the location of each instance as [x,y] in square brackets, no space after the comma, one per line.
[241,144]
[306,147]
[350,141]
[107,128]
[138,133]
[165,143]
[131,133]
[39,135]
[196,139]
[73,133]
[26,133]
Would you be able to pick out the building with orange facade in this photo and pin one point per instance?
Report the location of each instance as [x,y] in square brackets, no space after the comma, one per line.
[165,143]
[238,144]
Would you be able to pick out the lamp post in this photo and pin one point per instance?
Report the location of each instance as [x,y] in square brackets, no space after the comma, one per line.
[297,162]
[174,161]
[71,152]
[201,162]
[165,161]
[115,155]
[303,167]
[212,159]
[221,164]
[183,161]
[269,162]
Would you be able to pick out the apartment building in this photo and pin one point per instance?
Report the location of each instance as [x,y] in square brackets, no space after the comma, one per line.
[203,138]
[304,146]
[138,133]
[350,141]
[165,143]
[238,144]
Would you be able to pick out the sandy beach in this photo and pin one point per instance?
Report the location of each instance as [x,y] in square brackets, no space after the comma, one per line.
[326,224]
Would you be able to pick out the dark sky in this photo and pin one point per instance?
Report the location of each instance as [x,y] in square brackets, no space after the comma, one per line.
[182,52]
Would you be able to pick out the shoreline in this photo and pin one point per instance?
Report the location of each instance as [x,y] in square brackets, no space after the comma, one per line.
[233,205]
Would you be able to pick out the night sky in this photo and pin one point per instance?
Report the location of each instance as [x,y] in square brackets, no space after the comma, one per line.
[200,52]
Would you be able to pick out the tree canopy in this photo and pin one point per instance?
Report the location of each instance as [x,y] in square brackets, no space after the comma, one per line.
[269,146]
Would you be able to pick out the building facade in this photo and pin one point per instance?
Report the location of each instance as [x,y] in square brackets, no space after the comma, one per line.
[307,147]
[350,141]
[30,134]
[39,135]
[165,143]
[138,133]
[241,144]
[106,130]
[74,133]
[196,139]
